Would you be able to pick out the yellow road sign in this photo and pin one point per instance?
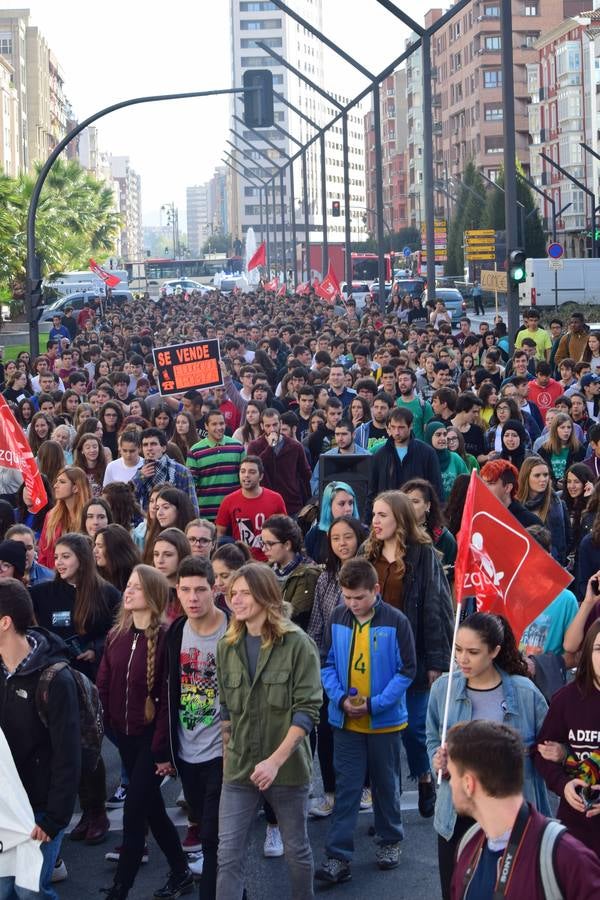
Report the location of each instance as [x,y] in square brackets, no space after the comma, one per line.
[481,232]
[488,256]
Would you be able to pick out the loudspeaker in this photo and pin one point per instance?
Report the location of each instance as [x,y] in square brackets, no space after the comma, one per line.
[353,468]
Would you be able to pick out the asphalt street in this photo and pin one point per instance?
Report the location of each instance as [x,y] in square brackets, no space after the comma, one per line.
[415,878]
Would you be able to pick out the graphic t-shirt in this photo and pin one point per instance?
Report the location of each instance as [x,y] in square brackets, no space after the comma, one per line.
[199,726]
[377,437]
[244,517]
[546,633]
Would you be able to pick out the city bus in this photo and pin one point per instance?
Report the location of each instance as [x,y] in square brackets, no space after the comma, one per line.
[151,273]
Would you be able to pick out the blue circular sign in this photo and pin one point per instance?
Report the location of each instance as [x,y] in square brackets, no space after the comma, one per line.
[407,252]
[555,250]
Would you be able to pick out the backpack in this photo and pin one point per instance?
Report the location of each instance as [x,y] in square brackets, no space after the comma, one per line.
[550,835]
[91,721]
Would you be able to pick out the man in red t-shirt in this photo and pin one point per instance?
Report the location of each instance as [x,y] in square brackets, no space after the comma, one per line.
[231,413]
[243,512]
[544,390]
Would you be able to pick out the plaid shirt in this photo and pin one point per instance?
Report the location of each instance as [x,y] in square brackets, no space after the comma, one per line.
[167,472]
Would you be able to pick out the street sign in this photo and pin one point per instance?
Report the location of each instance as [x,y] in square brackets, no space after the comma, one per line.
[406,252]
[481,232]
[555,250]
[555,263]
[493,281]
[488,256]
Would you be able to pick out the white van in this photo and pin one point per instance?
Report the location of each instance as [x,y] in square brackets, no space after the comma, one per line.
[578,281]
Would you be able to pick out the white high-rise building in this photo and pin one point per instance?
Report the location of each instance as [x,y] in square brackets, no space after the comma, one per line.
[197,217]
[130,207]
[261,20]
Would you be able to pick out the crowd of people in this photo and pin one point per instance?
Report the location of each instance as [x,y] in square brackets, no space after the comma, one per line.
[239,613]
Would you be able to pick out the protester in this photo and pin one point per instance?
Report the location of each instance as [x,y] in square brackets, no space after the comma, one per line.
[242,513]
[71,493]
[536,494]
[338,500]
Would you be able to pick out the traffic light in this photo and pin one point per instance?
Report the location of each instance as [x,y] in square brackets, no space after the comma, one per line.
[516,266]
[336,209]
[258,98]
[34,298]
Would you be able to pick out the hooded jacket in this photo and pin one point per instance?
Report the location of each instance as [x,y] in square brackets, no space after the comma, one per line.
[48,760]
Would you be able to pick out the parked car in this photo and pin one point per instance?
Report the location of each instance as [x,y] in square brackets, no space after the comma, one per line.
[184,285]
[77,301]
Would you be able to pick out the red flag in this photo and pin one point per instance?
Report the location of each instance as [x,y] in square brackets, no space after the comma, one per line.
[303,288]
[109,280]
[259,258]
[500,564]
[329,287]
[282,292]
[15,453]
[315,284]
[272,285]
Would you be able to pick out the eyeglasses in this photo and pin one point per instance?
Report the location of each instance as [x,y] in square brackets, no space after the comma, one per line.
[198,540]
[270,544]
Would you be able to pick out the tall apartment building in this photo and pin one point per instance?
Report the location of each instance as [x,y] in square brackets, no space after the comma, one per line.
[262,20]
[394,138]
[216,201]
[130,207]
[197,218]
[562,114]
[467,85]
[10,156]
[39,83]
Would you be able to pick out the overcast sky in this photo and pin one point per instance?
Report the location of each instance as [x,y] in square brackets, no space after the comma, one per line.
[126,48]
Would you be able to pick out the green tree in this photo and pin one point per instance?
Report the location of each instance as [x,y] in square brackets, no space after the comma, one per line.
[218,243]
[468,214]
[535,239]
[75,220]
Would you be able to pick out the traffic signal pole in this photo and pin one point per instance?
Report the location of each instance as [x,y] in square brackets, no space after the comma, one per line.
[510,164]
[33,263]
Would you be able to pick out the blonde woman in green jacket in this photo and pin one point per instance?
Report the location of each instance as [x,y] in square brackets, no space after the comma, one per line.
[270,691]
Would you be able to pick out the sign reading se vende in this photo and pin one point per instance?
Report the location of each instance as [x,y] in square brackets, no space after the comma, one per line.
[185,367]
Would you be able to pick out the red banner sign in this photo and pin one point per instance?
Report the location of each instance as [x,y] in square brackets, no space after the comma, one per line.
[15,453]
[109,280]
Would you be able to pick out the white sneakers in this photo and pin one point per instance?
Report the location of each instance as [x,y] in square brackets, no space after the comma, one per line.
[322,806]
[273,845]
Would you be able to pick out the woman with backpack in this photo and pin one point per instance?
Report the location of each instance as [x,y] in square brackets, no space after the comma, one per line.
[79,606]
[130,681]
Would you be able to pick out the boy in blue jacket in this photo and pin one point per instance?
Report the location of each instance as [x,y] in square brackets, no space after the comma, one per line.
[369,662]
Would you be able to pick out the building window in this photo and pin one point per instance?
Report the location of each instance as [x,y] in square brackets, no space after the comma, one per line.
[245,43]
[493,42]
[258,6]
[258,62]
[494,143]
[6,44]
[531,8]
[259,24]
[492,12]
[492,78]
[493,113]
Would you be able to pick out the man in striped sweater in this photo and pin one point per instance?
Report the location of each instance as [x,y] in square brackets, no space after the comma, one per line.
[214,463]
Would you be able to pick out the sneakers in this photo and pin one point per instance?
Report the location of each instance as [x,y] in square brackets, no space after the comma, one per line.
[195,863]
[334,871]
[117,801]
[59,872]
[426,799]
[366,800]
[388,856]
[273,845]
[178,884]
[115,855]
[323,807]
[192,843]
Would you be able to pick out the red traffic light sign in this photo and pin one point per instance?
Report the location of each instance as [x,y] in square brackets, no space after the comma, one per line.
[555,250]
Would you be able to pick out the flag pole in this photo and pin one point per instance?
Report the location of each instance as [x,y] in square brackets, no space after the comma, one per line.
[449,686]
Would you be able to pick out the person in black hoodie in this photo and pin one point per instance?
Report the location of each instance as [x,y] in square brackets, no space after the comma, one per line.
[194,709]
[79,606]
[48,759]
[401,459]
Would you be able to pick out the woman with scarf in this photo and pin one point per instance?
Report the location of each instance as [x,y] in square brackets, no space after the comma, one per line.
[514,442]
[536,494]
[451,464]
[296,573]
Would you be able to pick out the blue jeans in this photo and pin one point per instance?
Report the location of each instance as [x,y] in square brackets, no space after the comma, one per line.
[353,754]
[414,737]
[237,811]
[10,891]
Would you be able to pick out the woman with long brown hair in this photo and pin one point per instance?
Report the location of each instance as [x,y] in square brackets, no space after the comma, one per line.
[71,493]
[115,554]
[130,682]
[185,434]
[561,449]
[40,430]
[50,459]
[89,456]
[536,494]
[173,510]
[79,606]
[411,578]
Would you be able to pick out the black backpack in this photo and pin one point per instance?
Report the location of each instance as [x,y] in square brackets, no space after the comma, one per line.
[91,721]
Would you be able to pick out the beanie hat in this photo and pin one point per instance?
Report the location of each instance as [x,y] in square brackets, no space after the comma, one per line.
[14,552]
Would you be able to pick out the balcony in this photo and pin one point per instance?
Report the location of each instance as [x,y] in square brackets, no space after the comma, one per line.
[438,128]
[436,101]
